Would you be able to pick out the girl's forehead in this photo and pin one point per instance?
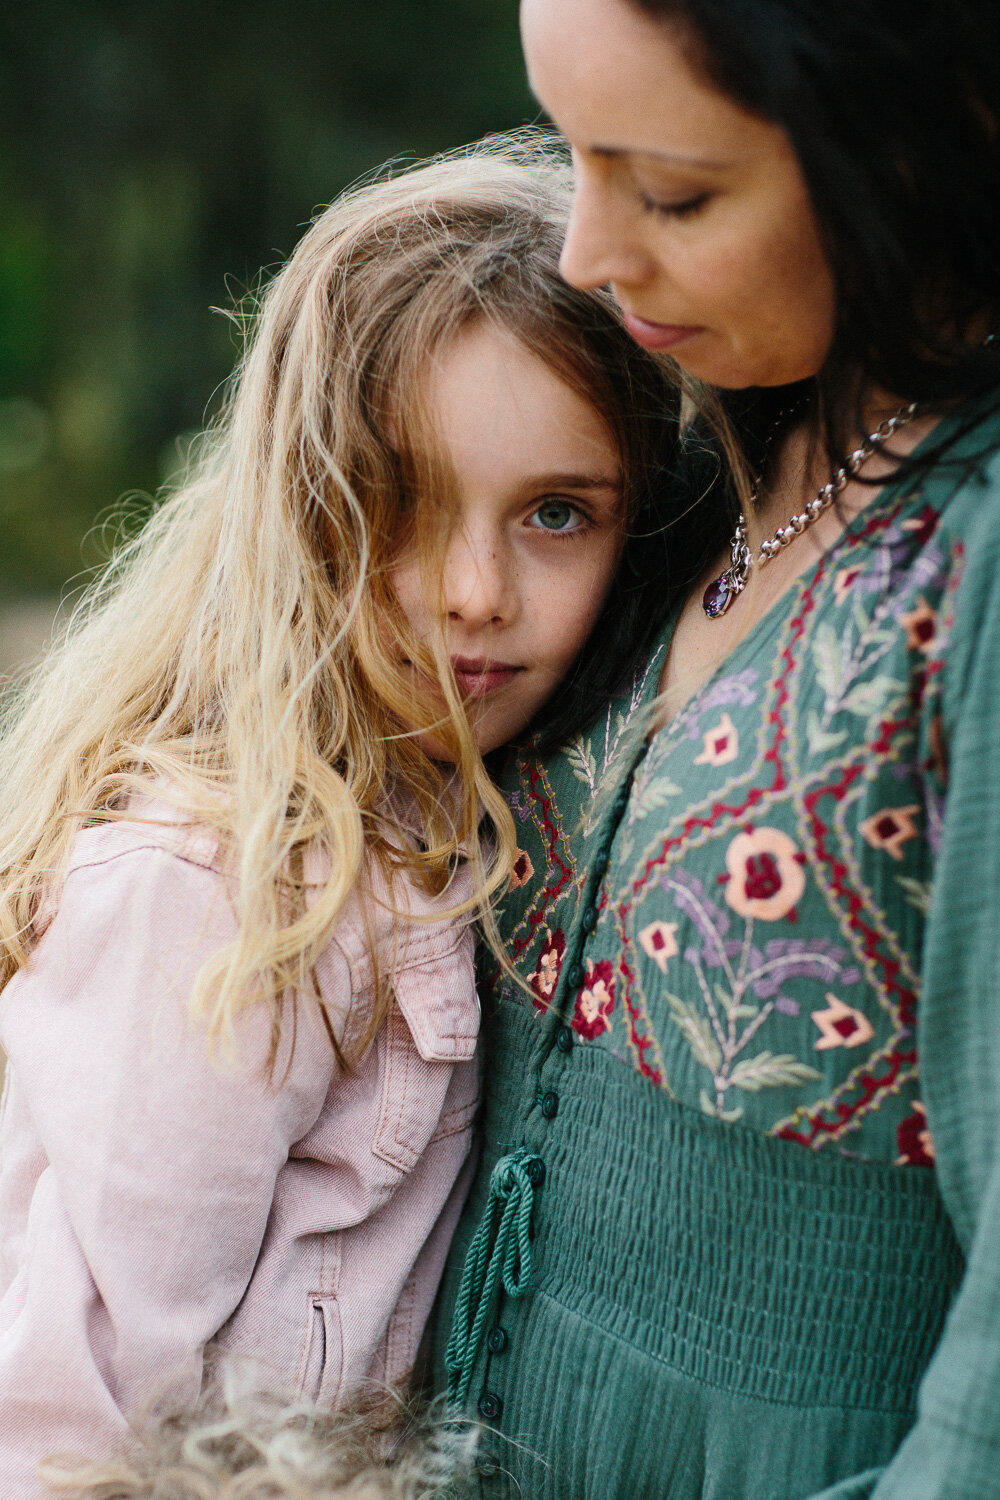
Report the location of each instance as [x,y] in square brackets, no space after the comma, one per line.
[502,416]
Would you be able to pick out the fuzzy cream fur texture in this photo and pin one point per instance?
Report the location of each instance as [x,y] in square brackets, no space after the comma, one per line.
[241,1445]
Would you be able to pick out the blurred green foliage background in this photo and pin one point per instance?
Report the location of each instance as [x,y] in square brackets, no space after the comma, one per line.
[153,157]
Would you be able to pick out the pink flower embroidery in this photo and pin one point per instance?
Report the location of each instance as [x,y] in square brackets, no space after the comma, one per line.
[841,1026]
[890,829]
[546,976]
[522,871]
[844,582]
[765,877]
[659,941]
[916,1146]
[722,744]
[923,526]
[921,628]
[596,1001]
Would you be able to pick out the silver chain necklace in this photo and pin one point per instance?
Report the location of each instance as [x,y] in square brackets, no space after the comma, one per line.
[723,590]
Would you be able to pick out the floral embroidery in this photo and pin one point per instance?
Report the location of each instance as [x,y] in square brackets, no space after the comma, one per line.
[522,871]
[595,1002]
[923,526]
[921,627]
[841,1025]
[890,829]
[766,877]
[831,754]
[659,941]
[844,581]
[721,744]
[916,1147]
[546,976]
[741,987]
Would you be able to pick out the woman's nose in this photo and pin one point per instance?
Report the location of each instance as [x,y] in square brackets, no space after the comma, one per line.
[479,580]
[600,247]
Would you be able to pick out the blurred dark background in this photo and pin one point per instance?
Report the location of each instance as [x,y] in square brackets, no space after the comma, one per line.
[153,157]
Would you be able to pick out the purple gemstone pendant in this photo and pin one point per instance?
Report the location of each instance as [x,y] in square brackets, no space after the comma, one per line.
[717,597]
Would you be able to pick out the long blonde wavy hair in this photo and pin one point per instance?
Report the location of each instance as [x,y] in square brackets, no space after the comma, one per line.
[241,656]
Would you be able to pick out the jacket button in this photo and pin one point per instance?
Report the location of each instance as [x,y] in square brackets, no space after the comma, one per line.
[550,1105]
[601,864]
[564,1039]
[535,1171]
[496,1341]
[590,918]
[574,977]
[490,1406]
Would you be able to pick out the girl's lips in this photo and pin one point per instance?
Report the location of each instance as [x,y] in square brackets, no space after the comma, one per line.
[478,679]
[658,335]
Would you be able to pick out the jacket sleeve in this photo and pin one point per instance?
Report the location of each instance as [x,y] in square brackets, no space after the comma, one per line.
[146,1167]
[953,1450]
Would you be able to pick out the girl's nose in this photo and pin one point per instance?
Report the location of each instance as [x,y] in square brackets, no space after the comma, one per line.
[479,581]
[601,247]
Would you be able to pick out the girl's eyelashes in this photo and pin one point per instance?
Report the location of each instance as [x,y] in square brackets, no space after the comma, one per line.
[558,517]
[685,209]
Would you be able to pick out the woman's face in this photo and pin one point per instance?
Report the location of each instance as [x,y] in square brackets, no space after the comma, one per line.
[693,210]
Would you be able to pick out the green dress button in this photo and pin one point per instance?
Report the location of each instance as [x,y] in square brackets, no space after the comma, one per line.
[490,1406]
[590,918]
[496,1341]
[550,1105]
[535,1170]
[574,976]
[564,1039]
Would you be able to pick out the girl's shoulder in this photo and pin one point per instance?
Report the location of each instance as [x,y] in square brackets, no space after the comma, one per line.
[394,922]
[154,825]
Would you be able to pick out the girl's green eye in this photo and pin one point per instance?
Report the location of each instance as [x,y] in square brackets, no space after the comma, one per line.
[556,515]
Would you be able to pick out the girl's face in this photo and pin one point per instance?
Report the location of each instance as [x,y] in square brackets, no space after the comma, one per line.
[693,210]
[537,534]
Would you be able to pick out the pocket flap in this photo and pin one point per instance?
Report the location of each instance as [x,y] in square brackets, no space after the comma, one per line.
[438,998]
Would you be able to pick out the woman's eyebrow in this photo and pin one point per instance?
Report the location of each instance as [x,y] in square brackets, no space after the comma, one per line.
[672,158]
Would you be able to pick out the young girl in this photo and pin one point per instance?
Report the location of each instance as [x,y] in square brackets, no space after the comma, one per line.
[241,806]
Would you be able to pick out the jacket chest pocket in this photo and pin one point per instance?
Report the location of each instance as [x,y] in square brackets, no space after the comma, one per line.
[430,1082]
[423,1100]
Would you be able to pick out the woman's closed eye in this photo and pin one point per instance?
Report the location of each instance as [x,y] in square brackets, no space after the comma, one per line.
[685,208]
[558,517]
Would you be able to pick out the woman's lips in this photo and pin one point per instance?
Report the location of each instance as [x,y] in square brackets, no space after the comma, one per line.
[658,335]
[479,678]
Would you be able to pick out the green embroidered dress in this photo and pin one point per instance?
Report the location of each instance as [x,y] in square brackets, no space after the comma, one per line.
[739,1208]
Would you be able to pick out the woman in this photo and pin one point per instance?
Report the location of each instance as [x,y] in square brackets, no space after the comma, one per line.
[735,1232]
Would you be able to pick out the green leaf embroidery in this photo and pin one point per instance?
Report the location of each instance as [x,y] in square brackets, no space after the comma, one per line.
[829,657]
[821,740]
[867,698]
[654,794]
[709,1106]
[582,762]
[698,1034]
[917,892]
[765,1071]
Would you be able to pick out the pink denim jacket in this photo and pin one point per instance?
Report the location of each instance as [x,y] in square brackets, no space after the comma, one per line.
[155,1206]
